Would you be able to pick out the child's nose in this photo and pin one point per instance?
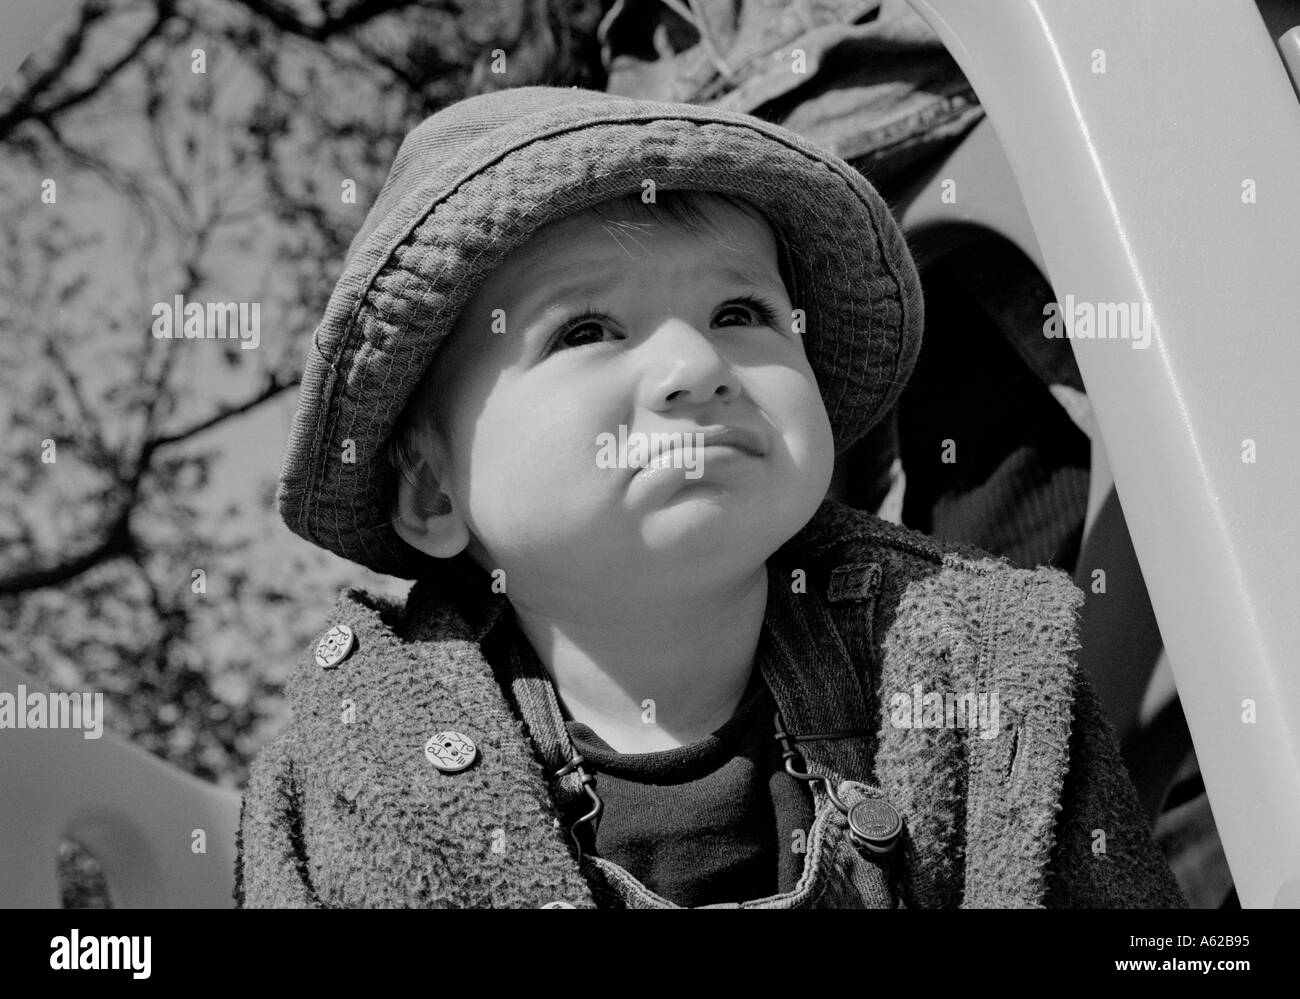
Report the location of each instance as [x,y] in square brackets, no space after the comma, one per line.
[685,365]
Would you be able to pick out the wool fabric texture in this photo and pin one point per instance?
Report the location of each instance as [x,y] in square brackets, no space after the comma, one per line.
[477,179]
[351,814]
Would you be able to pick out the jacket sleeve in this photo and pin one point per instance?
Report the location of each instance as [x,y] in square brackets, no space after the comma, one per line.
[270,859]
[1104,855]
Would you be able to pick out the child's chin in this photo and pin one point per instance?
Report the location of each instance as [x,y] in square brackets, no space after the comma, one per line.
[711,524]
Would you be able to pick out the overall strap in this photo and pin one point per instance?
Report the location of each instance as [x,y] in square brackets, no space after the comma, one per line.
[814,667]
[530,687]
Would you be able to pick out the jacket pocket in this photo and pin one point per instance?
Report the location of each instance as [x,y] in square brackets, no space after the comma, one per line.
[851,597]
[854,581]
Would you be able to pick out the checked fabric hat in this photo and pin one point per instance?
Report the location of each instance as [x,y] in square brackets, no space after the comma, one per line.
[475,180]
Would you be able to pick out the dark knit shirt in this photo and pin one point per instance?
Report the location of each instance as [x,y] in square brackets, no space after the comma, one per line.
[718,820]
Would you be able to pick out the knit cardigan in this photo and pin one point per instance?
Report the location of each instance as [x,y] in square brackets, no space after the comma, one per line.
[342,809]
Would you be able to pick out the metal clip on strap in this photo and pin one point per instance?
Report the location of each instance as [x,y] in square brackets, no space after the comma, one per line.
[588,782]
[874,824]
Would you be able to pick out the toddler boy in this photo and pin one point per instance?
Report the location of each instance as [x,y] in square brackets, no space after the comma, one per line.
[584,378]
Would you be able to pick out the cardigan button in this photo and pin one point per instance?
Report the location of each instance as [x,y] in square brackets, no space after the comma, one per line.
[336,646]
[558,905]
[450,752]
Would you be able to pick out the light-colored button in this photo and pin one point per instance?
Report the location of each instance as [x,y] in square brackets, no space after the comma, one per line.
[558,905]
[450,752]
[336,646]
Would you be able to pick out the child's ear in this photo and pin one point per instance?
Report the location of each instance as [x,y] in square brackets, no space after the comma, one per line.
[427,518]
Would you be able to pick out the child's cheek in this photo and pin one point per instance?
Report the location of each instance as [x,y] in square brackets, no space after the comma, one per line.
[807,421]
[813,443]
[531,477]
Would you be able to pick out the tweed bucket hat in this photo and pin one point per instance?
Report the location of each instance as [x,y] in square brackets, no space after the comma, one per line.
[477,179]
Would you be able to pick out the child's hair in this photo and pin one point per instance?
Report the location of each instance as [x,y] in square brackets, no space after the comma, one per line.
[689,209]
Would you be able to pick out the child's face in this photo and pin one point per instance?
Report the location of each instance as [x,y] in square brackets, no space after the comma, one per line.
[672,347]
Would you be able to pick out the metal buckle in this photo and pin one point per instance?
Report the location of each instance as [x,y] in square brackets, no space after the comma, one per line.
[874,824]
[588,780]
[789,754]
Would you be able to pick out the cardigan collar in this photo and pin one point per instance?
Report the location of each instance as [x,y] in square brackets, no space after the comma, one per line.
[464,586]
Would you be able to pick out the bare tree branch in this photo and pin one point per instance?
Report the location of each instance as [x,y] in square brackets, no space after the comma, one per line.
[28,104]
[115,537]
[89,419]
[120,180]
[23,105]
[115,540]
[164,12]
[286,19]
[275,384]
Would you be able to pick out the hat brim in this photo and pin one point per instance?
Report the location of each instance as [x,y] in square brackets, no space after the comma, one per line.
[419,259]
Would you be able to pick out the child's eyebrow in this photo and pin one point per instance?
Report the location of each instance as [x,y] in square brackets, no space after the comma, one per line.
[758,277]
[590,284]
[584,284]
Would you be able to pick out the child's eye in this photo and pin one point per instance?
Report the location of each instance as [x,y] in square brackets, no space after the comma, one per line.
[761,313]
[586,328]
[589,327]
